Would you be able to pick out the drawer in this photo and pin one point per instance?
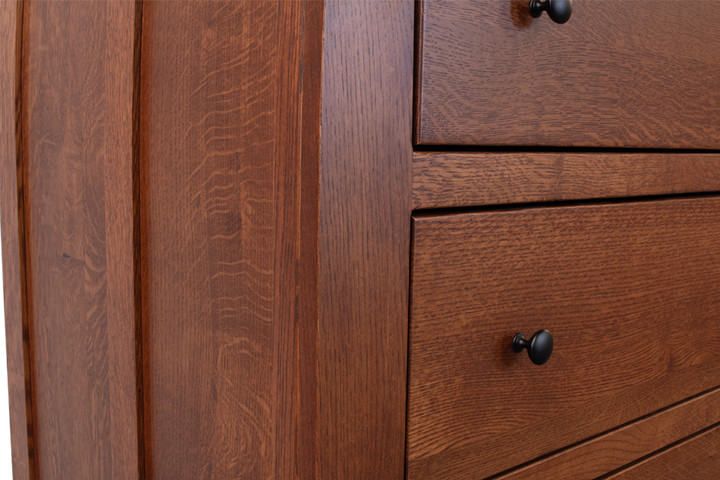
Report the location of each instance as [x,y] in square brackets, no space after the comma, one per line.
[629,291]
[627,445]
[697,458]
[619,73]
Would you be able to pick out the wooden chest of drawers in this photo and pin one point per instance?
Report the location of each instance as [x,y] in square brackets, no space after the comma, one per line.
[209,268]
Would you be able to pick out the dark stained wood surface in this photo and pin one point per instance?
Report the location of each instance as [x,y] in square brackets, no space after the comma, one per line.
[628,291]
[229,162]
[697,458]
[208,235]
[619,447]
[274,281]
[13,244]
[364,238]
[296,235]
[307,275]
[465,179]
[77,96]
[620,73]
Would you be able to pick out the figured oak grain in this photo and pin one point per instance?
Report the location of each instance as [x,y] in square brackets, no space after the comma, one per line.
[696,458]
[619,73]
[77,101]
[13,243]
[628,291]
[442,180]
[364,238]
[208,237]
[617,448]
[229,165]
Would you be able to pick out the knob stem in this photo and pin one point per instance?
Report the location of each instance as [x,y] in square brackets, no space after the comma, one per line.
[520,343]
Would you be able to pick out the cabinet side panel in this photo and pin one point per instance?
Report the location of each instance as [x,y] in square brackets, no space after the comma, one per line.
[216,357]
[77,88]
[229,161]
[364,239]
[13,243]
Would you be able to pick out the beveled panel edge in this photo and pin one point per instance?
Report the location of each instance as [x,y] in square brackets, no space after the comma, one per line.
[13,242]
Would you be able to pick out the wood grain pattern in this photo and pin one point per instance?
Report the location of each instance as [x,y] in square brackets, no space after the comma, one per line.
[697,458]
[364,238]
[443,180]
[619,447]
[296,235]
[628,291]
[77,96]
[307,274]
[229,171]
[619,74]
[13,243]
[208,236]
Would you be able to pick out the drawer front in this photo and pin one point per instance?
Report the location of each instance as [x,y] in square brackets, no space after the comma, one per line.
[629,291]
[619,73]
[630,443]
[696,458]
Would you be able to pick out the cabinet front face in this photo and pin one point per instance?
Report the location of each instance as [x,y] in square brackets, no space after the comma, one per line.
[619,73]
[627,291]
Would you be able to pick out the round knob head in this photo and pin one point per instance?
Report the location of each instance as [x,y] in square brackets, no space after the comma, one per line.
[559,10]
[541,347]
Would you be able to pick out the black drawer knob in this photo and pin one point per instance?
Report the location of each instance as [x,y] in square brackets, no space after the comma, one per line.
[559,11]
[539,347]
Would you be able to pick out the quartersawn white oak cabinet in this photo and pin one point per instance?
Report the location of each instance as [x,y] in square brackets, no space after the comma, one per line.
[295,239]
